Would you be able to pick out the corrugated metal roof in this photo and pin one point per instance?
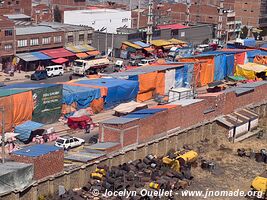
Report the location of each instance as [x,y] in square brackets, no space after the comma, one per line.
[253,85]
[141,44]
[119,120]
[135,46]
[32,56]
[103,145]
[29,30]
[83,156]
[17,16]
[9,167]
[36,150]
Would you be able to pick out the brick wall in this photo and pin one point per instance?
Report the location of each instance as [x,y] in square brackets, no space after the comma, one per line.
[212,106]
[45,165]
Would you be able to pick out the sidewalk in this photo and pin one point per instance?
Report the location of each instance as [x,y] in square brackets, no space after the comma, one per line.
[17,76]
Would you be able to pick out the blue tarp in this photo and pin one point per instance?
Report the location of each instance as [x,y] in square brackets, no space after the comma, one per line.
[179,77]
[251,54]
[149,111]
[82,95]
[250,42]
[264,45]
[220,67]
[41,56]
[188,74]
[119,90]
[25,129]
[36,150]
[137,116]
[230,64]
[141,44]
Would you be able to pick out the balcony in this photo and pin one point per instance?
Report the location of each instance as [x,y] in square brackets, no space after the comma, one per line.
[231,14]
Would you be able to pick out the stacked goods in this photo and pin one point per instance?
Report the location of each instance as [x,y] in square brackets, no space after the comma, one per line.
[150,174]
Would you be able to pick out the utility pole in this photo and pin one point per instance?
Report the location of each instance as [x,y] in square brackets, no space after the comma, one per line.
[149,32]
[138,16]
[219,27]
[3,135]
[188,4]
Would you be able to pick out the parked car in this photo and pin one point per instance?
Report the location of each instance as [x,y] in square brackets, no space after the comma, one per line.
[39,75]
[55,70]
[146,62]
[68,142]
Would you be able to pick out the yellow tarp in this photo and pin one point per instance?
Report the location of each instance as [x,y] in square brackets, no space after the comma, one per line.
[160,43]
[135,46]
[175,41]
[249,70]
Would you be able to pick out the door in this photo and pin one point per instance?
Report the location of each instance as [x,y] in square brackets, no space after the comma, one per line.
[56,71]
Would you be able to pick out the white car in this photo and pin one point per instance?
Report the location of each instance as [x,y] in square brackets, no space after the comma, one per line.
[146,62]
[55,70]
[68,142]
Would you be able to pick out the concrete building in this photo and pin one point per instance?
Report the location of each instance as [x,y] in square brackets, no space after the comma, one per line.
[193,34]
[42,13]
[34,38]
[106,20]
[73,35]
[16,7]
[7,38]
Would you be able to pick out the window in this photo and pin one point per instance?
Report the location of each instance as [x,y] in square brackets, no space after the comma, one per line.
[183,34]
[81,37]
[56,68]
[22,43]
[34,42]
[76,140]
[67,142]
[8,47]
[60,68]
[57,39]
[89,36]
[71,140]
[46,40]
[70,38]
[9,32]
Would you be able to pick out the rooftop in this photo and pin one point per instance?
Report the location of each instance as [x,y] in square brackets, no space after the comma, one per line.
[36,150]
[97,10]
[29,30]
[17,16]
[64,27]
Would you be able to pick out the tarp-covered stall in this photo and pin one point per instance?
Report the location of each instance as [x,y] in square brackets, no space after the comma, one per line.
[119,90]
[83,96]
[17,105]
[47,100]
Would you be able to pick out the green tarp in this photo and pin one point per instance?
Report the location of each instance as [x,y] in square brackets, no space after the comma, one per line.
[47,104]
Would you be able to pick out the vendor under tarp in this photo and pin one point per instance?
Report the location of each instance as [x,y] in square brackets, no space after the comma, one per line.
[60,60]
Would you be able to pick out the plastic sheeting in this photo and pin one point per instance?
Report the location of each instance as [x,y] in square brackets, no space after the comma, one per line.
[249,70]
[18,108]
[160,83]
[179,77]
[188,75]
[97,105]
[240,58]
[147,85]
[22,107]
[220,67]
[119,90]
[261,60]
[83,96]
[170,81]
[26,128]
[230,64]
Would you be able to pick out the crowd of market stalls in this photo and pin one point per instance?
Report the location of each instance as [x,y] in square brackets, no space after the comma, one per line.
[28,107]
[64,56]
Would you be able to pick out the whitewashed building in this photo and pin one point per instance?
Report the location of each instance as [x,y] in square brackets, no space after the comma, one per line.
[101,19]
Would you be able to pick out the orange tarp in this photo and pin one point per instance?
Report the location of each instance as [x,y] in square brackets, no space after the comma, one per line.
[160,83]
[6,103]
[97,105]
[22,107]
[82,55]
[141,97]
[93,53]
[260,60]
[240,58]
[147,82]
[204,71]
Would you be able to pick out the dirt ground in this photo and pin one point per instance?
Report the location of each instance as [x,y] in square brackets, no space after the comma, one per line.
[231,171]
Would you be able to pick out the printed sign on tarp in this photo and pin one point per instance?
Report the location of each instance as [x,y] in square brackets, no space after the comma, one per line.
[47,104]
